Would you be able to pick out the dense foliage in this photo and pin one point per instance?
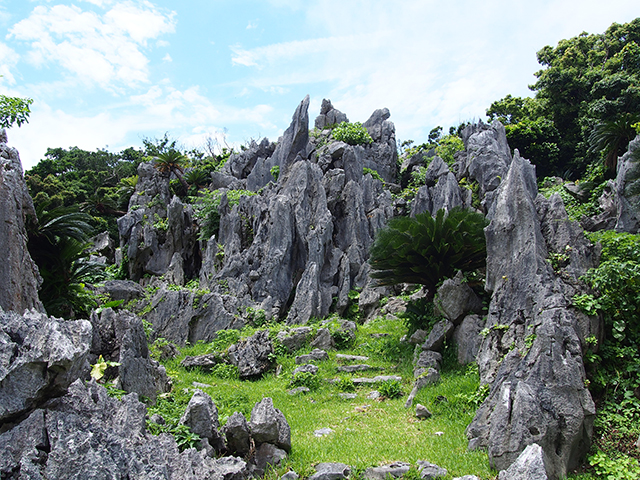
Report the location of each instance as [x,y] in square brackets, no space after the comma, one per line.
[351,133]
[14,110]
[587,98]
[426,250]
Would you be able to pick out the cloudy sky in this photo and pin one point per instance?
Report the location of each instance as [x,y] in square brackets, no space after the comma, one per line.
[108,73]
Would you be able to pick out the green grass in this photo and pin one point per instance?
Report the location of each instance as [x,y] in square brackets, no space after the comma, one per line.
[366,432]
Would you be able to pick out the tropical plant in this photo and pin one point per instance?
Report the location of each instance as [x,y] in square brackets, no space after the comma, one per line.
[14,110]
[172,162]
[426,250]
[197,178]
[351,133]
[611,139]
[58,244]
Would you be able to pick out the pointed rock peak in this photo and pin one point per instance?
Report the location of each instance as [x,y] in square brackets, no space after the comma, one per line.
[377,117]
[329,116]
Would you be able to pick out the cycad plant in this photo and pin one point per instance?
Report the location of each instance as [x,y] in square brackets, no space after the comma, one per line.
[425,250]
[58,244]
[612,137]
[172,161]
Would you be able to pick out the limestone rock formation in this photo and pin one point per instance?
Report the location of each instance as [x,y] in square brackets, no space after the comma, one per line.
[19,276]
[87,434]
[532,357]
[628,189]
[268,425]
[39,358]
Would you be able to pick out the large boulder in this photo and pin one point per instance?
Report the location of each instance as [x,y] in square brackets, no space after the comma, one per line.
[268,425]
[201,416]
[19,276]
[532,355]
[253,356]
[39,358]
[120,337]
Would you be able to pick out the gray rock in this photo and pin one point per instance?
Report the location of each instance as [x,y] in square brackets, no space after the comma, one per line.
[294,339]
[290,146]
[418,337]
[467,477]
[528,466]
[322,432]
[428,359]
[487,158]
[119,336]
[376,379]
[429,471]
[350,358]
[267,455]
[440,332]
[323,340]
[39,358]
[298,391]
[308,368]
[329,116]
[331,471]
[373,395]
[19,276]
[253,356]
[468,339]
[348,396]
[240,164]
[382,155]
[316,355]
[205,362]
[201,416]
[428,377]
[441,191]
[395,470]
[537,390]
[290,475]
[268,425]
[628,191]
[455,299]
[238,435]
[355,368]
[422,412]
[87,434]
[125,290]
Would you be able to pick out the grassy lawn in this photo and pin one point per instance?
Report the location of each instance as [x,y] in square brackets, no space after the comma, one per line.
[366,432]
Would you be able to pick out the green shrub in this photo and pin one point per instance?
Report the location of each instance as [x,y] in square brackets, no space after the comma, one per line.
[305,379]
[419,315]
[351,133]
[345,385]
[223,340]
[390,389]
[225,371]
[426,250]
[617,467]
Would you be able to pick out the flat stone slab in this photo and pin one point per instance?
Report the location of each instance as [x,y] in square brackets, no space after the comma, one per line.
[377,379]
[396,470]
[355,368]
[351,358]
[322,432]
[316,355]
[348,396]
[206,362]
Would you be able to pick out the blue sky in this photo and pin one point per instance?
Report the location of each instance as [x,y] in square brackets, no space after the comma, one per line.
[108,73]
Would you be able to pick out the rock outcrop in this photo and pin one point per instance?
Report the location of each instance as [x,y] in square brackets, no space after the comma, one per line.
[19,276]
[628,189]
[532,356]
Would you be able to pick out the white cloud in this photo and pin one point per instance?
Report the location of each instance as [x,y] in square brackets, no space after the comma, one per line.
[167,58]
[104,49]
[8,60]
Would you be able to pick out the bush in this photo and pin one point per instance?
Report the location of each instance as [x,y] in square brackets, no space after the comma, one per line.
[352,133]
[225,371]
[390,389]
[426,250]
[305,379]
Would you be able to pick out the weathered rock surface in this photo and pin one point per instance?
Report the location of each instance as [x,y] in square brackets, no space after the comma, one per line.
[528,466]
[268,425]
[628,189]
[252,356]
[316,355]
[395,470]
[87,434]
[201,416]
[467,338]
[537,394]
[120,337]
[455,299]
[267,455]
[294,339]
[39,358]
[238,435]
[441,191]
[19,276]
[331,471]
[430,470]
[440,332]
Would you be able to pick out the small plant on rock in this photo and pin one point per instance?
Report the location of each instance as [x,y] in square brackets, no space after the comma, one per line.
[305,379]
[390,389]
[352,133]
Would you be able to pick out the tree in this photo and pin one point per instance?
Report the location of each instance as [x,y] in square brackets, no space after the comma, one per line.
[171,162]
[14,110]
[426,250]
